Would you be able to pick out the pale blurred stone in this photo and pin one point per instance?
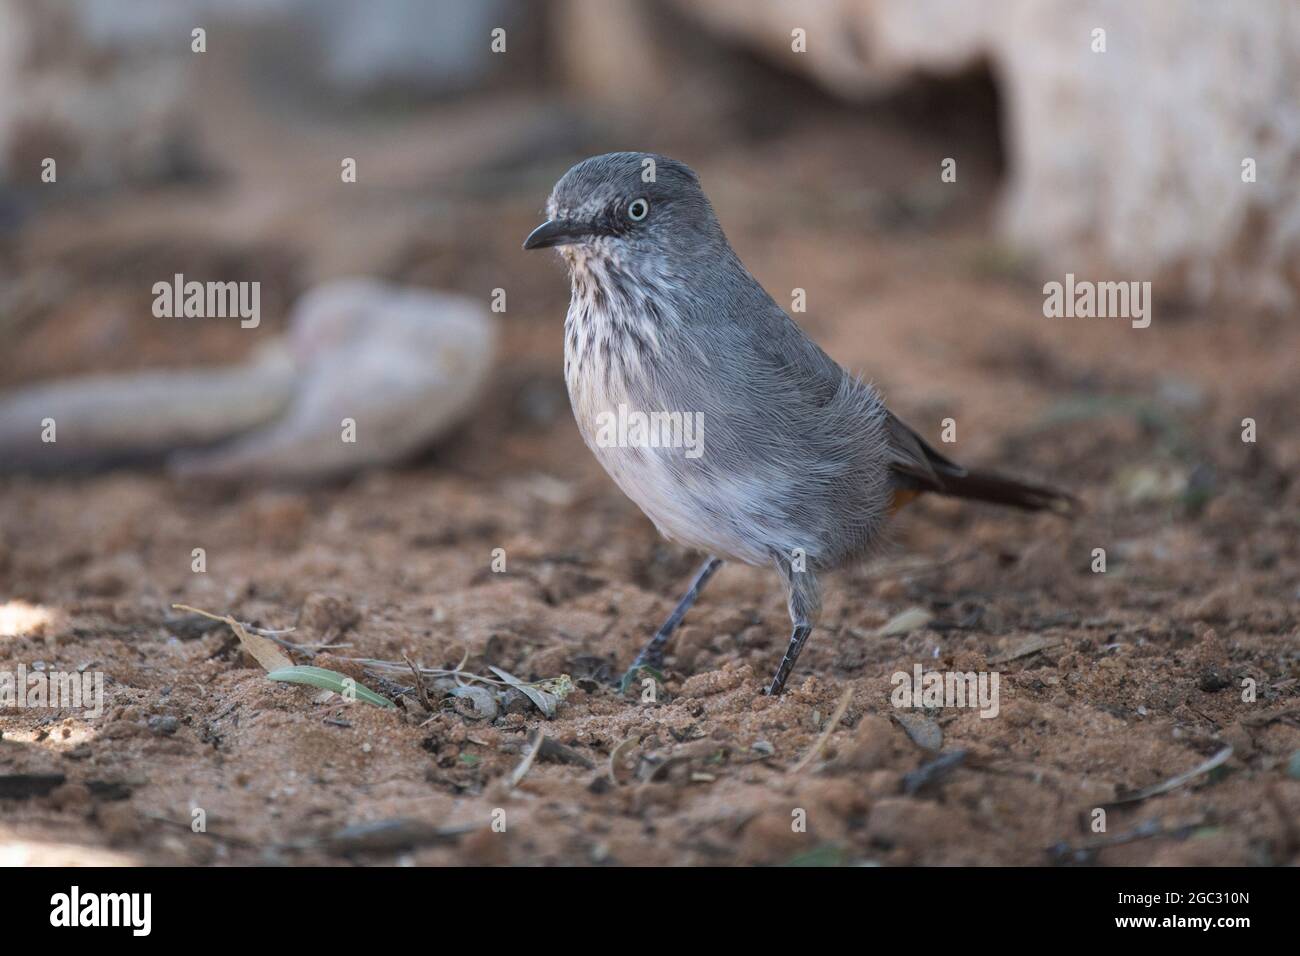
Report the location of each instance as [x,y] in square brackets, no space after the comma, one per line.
[404,364]
[105,103]
[1124,164]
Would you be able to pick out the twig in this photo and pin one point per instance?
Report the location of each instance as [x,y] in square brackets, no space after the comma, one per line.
[613,760]
[931,773]
[534,748]
[1174,782]
[455,673]
[1261,720]
[186,825]
[421,691]
[269,631]
[308,650]
[831,724]
[261,649]
[1086,852]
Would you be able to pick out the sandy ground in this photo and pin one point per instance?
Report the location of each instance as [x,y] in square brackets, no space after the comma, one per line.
[1109,682]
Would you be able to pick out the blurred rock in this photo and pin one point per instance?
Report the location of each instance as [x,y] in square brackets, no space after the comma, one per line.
[383,371]
[81,87]
[1124,164]
[101,420]
[106,87]
[369,375]
[606,50]
[438,46]
[163,725]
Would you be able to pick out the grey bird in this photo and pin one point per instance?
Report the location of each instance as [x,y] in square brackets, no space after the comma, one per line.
[799,463]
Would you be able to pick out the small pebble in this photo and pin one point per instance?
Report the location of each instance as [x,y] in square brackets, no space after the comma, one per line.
[1211,680]
[164,725]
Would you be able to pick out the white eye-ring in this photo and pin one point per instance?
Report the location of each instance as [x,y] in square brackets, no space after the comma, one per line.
[638,209]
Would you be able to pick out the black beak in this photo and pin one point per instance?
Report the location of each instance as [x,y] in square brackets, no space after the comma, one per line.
[557,232]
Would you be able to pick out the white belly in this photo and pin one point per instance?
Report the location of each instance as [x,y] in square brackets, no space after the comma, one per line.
[693,500]
[688,501]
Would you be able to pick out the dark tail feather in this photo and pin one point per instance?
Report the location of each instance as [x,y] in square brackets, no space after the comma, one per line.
[1001,490]
[920,467]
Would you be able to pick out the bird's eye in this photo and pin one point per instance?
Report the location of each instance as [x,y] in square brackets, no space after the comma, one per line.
[638,209]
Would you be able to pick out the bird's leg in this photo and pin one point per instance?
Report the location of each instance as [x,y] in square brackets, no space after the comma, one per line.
[652,655]
[797,641]
[804,604]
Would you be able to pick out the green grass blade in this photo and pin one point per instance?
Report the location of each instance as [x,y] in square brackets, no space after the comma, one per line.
[328,680]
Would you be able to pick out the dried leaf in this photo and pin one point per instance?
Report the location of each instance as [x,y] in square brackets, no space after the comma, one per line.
[263,650]
[914,618]
[1173,783]
[546,702]
[1030,645]
[534,748]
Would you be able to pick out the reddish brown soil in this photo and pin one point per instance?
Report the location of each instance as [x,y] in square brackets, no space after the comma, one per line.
[1140,681]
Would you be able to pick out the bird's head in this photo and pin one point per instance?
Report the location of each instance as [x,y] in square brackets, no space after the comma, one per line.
[628,208]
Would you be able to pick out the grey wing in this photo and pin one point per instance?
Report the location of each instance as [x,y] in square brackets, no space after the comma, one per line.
[809,405]
[785,351]
[784,346]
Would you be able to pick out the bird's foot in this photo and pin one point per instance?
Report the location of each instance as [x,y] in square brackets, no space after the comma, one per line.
[797,641]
